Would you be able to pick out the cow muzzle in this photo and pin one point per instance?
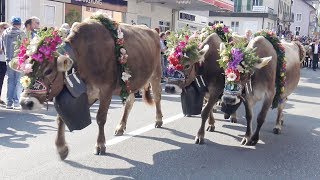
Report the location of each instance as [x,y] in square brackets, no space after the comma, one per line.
[231,100]
[172,89]
[30,103]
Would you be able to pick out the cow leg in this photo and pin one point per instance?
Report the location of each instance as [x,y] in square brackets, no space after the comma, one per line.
[279,121]
[207,110]
[101,120]
[123,124]
[62,148]
[249,112]
[260,120]
[211,122]
[233,118]
[156,89]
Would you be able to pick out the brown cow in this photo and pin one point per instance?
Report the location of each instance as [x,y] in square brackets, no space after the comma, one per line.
[212,75]
[94,49]
[263,83]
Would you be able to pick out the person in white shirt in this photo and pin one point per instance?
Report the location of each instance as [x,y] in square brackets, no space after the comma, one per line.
[3,65]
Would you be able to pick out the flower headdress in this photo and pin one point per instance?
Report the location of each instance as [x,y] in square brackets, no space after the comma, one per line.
[220,29]
[30,54]
[237,61]
[183,47]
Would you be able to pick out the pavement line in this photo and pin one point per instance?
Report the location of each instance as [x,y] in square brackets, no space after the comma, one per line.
[129,135]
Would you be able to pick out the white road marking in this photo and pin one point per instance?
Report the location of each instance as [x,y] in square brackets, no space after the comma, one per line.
[129,135]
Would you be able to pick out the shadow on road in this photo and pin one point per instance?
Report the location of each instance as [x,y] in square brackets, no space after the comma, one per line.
[16,127]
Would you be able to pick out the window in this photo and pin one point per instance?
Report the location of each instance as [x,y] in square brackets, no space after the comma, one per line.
[299,17]
[257,3]
[235,26]
[164,26]
[217,22]
[297,30]
[189,17]
[49,15]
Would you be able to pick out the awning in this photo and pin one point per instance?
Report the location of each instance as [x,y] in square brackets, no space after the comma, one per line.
[195,5]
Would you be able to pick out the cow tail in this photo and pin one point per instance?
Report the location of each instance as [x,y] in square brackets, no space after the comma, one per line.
[302,51]
[146,94]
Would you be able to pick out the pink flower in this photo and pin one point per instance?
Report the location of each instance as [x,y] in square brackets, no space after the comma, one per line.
[38,57]
[27,68]
[45,50]
[182,44]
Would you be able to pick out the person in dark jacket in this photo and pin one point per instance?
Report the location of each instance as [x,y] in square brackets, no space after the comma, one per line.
[315,50]
[3,64]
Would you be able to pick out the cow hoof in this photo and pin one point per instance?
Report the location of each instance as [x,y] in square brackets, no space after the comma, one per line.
[226,116]
[244,140]
[252,143]
[100,151]
[63,152]
[199,140]
[119,132]
[233,120]
[158,124]
[276,130]
[281,122]
[210,128]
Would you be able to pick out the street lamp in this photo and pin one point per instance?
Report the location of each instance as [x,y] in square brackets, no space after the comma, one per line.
[183,1]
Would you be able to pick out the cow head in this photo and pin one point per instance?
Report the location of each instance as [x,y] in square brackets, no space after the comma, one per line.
[238,71]
[180,78]
[47,83]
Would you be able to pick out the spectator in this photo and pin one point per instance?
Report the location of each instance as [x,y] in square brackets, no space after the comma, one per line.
[65,30]
[163,50]
[315,54]
[9,37]
[157,29]
[248,35]
[28,30]
[3,64]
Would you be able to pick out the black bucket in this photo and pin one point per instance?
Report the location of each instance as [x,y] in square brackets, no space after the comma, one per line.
[74,111]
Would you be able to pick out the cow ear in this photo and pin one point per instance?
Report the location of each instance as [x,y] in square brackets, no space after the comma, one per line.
[264,62]
[203,52]
[64,63]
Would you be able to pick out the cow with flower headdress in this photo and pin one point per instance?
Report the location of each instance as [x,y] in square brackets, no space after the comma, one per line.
[107,57]
[265,70]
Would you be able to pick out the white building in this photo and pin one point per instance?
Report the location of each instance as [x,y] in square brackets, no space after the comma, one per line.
[51,13]
[305,18]
[255,15]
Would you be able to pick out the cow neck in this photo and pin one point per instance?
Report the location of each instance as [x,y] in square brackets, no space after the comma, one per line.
[120,53]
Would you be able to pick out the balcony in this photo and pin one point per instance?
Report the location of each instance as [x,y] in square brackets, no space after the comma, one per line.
[254,9]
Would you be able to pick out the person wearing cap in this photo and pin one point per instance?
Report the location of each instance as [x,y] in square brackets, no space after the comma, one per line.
[9,38]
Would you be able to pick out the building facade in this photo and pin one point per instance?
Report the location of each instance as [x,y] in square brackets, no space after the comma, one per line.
[305,18]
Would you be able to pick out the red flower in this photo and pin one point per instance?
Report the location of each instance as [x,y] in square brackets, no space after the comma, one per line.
[120,41]
[187,37]
[179,67]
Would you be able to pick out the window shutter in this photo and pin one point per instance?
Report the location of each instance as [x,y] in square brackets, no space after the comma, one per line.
[249,5]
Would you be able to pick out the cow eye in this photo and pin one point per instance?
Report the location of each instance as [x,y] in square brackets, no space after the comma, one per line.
[187,66]
[49,71]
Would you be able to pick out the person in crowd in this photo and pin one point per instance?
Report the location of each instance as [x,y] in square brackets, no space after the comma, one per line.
[9,38]
[315,54]
[157,29]
[248,35]
[33,27]
[3,64]
[28,30]
[163,50]
[65,30]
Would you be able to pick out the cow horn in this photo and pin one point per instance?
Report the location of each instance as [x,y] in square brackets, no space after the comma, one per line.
[264,62]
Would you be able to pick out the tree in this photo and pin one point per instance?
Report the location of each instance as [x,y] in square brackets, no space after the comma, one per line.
[73,16]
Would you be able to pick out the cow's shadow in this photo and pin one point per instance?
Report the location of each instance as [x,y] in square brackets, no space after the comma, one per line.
[164,160]
[18,126]
[178,161]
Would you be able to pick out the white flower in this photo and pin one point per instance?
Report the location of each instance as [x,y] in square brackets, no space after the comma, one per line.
[125,76]
[240,69]
[25,81]
[28,68]
[31,49]
[185,55]
[231,76]
[120,34]
[123,51]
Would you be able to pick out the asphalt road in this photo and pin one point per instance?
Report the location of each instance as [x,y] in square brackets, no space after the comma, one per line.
[27,149]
